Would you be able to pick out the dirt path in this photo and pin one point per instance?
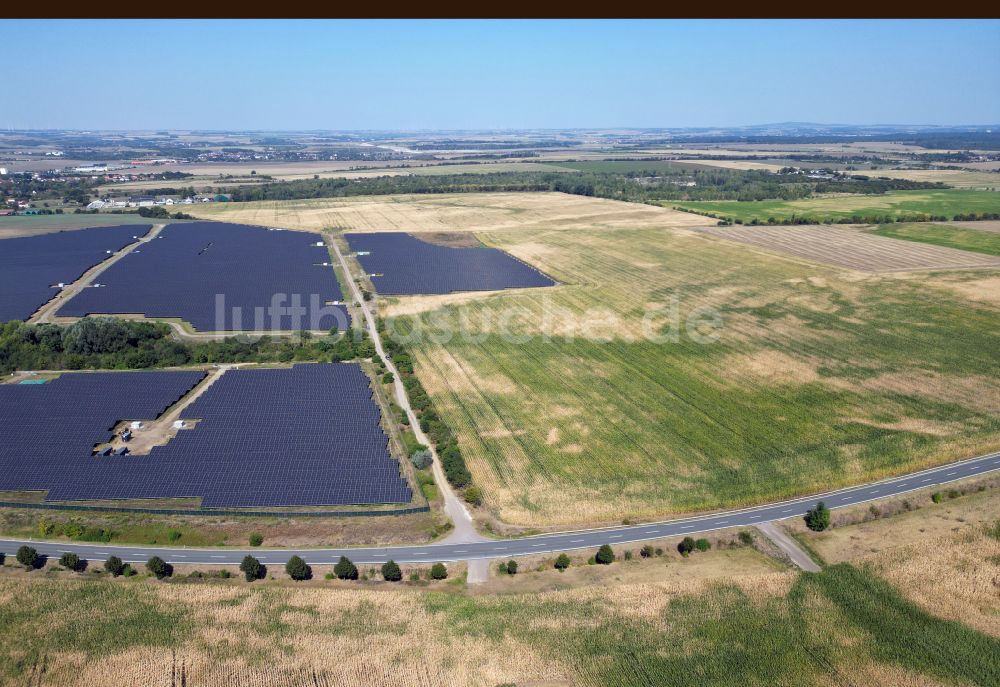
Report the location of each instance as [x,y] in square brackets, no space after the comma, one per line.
[465,529]
[47,311]
[784,541]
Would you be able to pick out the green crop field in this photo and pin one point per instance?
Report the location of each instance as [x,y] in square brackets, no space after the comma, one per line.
[944,235]
[947,203]
[815,380]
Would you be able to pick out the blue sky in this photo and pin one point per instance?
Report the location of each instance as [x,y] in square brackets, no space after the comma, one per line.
[496,74]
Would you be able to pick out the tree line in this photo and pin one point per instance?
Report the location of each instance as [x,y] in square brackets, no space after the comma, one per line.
[637,185]
[111,343]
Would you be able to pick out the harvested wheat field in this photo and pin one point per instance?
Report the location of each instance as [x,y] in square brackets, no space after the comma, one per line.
[852,249]
[448,212]
[844,624]
[815,377]
[957,178]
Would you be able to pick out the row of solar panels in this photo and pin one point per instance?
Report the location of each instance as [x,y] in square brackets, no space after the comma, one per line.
[223,277]
[315,450]
[31,266]
[403,264]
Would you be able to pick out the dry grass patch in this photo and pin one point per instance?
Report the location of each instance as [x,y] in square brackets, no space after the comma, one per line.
[983,290]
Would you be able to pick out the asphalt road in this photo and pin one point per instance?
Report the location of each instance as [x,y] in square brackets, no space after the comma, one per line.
[545,543]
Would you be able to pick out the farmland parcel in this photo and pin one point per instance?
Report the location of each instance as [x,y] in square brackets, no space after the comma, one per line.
[684,626]
[832,208]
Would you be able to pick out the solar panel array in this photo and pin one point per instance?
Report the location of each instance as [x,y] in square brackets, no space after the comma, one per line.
[404,265]
[49,430]
[31,265]
[223,277]
[303,436]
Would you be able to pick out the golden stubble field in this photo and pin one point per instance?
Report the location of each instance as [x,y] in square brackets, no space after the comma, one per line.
[449,212]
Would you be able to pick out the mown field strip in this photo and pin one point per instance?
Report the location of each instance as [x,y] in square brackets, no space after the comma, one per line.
[853,249]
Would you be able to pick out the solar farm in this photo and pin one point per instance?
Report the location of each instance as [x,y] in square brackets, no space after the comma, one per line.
[309,435]
[31,267]
[401,264]
[222,277]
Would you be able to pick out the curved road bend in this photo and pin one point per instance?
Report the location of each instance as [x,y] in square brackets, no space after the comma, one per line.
[540,544]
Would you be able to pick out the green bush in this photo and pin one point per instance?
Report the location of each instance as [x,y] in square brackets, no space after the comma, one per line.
[114,566]
[73,529]
[628,555]
[703,545]
[128,570]
[159,567]
[345,570]
[298,569]
[646,551]
[818,518]
[512,567]
[474,495]
[173,535]
[502,567]
[252,569]
[421,458]
[71,561]
[686,546]
[439,571]
[605,555]
[45,527]
[29,558]
[256,539]
[746,537]
[391,571]
[562,562]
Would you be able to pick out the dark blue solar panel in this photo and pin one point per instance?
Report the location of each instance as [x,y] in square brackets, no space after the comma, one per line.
[49,430]
[223,277]
[32,265]
[306,435]
[403,264]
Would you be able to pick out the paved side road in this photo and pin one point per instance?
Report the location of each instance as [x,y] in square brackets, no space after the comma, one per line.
[545,543]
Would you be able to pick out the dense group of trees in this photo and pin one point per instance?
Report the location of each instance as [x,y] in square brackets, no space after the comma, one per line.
[726,220]
[636,185]
[112,343]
